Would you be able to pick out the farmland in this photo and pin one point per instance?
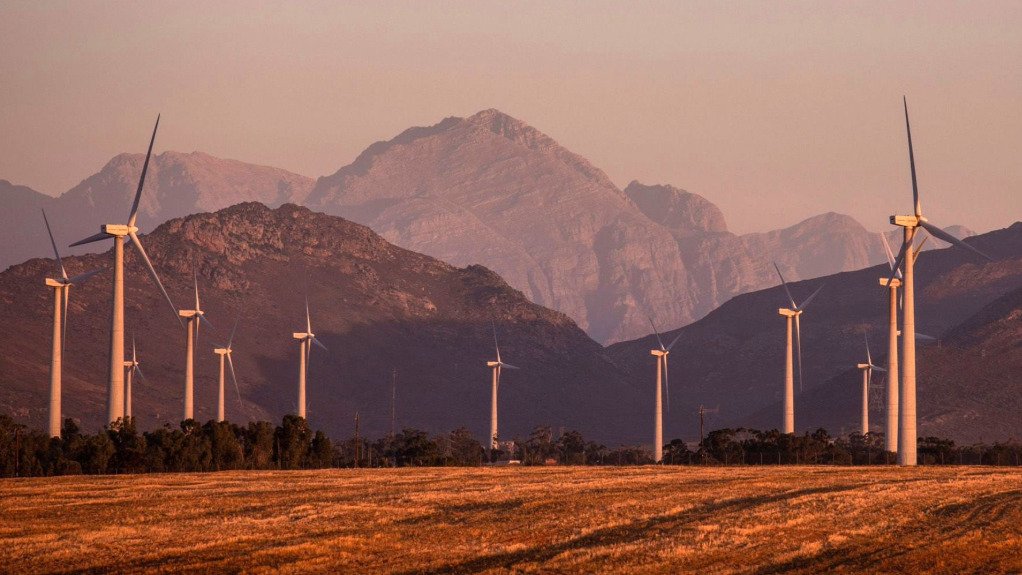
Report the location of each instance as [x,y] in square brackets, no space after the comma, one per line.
[522,520]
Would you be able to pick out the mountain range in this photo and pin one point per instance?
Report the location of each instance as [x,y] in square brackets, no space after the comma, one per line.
[376,307]
[968,384]
[380,308]
[492,190]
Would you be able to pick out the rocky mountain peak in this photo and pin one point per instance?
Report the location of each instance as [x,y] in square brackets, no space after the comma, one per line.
[682,212]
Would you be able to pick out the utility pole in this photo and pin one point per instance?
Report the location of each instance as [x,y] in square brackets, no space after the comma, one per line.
[393,399]
[702,412]
[357,443]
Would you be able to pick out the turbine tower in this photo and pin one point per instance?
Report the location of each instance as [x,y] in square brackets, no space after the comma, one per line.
[907,394]
[115,390]
[305,341]
[130,368]
[496,366]
[193,318]
[892,283]
[61,288]
[795,311]
[660,353]
[867,378]
[224,351]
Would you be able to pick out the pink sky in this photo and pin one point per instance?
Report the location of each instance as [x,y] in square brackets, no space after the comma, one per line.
[775,111]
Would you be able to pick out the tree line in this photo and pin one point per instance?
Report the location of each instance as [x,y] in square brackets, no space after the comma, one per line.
[222,446]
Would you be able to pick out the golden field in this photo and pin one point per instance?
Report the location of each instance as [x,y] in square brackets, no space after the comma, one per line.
[520,520]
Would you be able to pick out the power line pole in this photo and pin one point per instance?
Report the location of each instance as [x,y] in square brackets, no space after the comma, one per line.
[393,400]
[357,442]
[702,412]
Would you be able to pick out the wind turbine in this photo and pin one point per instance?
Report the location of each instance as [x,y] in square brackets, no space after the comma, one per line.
[115,391]
[907,394]
[224,351]
[496,366]
[660,353]
[892,283]
[305,339]
[61,288]
[867,378]
[130,368]
[795,311]
[194,317]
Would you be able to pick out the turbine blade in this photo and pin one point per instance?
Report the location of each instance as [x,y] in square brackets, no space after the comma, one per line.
[141,181]
[92,238]
[508,365]
[887,250]
[897,262]
[195,280]
[667,384]
[234,377]
[152,272]
[673,342]
[308,318]
[659,341]
[941,234]
[134,358]
[495,344]
[82,277]
[924,337]
[233,329]
[56,254]
[785,284]
[912,162]
[869,358]
[798,339]
[809,299]
[138,369]
[317,342]
[876,367]
[919,247]
[202,319]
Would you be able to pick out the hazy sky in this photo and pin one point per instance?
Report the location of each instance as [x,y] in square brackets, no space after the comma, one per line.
[774,111]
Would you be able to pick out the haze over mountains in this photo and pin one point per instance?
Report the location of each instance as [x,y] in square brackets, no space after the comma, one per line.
[488,189]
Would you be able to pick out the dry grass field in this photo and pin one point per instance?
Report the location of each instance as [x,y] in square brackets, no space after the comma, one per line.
[520,520]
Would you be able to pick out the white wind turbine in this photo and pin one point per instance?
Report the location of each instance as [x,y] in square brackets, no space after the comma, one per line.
[225,351]
[61,288]
[130,368]
[115,391]
[496,367]
[193,318]
[867,379]
[907,394]
[795,311]
[305,340]
[892,283]
[661,354]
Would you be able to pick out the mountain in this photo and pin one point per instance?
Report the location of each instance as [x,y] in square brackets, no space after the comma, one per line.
[733,357]
[492,190]
[177,184]
[375,306]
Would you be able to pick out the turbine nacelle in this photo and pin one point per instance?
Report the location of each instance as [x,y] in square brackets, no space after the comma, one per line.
[303,335]
[864,366]
[907,221]
[221,351]
[190,313]
[659,352]
[891,283]
[118,230]
[788,312]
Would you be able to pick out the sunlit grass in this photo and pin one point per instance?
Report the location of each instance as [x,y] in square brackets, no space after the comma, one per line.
[526,520]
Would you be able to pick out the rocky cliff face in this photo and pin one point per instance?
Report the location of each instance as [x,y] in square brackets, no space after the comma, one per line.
[375,306]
